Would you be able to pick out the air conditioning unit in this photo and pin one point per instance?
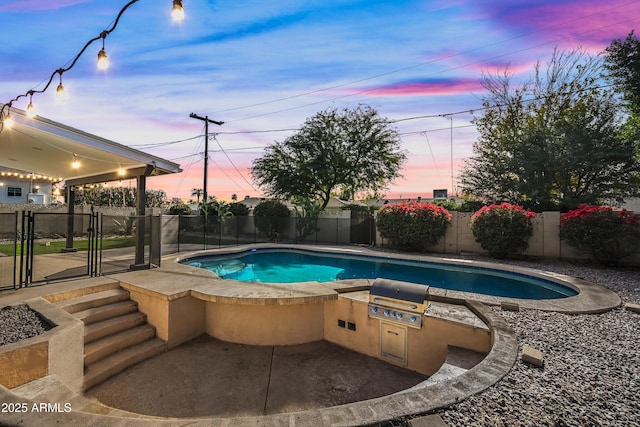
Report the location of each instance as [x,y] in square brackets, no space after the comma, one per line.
[36,199]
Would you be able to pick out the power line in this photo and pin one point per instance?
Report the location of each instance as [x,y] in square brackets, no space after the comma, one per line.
[466,52]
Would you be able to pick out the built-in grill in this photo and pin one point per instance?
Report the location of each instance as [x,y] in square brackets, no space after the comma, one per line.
[399,302]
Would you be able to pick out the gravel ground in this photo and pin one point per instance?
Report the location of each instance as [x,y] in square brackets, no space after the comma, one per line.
[591,375]
[18,323]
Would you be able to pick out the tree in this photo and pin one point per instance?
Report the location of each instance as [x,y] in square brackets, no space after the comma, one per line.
[622,65]
[335,150]
[307,213]
[554,142]
[198,193]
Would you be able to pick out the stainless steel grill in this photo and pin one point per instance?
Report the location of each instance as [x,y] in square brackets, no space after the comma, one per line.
[399,302]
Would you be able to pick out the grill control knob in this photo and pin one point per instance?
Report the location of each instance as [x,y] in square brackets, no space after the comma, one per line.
[374,309]
[413,318]
[399,315]
[386,312]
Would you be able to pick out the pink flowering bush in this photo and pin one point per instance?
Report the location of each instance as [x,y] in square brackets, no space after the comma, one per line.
[606,234]
[502,229]
[413,225]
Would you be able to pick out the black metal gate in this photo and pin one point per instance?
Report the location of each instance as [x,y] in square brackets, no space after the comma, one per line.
[363,228]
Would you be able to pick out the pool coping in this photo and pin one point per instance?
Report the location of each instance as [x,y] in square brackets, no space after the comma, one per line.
[592,297]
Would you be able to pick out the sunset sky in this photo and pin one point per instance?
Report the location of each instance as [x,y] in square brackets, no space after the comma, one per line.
[263,67]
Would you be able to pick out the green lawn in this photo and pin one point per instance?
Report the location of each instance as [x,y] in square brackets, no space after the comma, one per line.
[40,248]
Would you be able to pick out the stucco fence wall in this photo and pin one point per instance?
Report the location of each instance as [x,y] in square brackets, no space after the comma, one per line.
[545,241]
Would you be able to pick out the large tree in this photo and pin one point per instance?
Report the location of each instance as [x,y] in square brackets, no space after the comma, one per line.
[336,150]
[622,63]
[552,142]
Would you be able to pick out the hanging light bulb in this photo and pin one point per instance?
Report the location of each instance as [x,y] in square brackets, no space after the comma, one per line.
[75,164]
[121,171]
[177,13]
[8,120]
[31,110]
[103,59]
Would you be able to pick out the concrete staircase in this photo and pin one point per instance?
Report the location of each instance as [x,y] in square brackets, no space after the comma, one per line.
[116,334]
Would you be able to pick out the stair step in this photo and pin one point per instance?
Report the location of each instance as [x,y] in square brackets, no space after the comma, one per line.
[103,328]
[97,299]
[113,343]
[97,314]
[101,370]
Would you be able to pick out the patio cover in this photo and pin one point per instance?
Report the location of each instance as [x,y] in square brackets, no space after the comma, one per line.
[44,147]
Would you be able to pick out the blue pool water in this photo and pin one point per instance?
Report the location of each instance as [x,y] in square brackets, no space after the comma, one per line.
[291,266]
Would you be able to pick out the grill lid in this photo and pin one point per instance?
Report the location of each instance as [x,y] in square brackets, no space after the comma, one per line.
[398,290]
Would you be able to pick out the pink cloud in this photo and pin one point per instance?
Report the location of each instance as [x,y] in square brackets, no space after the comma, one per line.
[427,87]
[590,23]
[38,5]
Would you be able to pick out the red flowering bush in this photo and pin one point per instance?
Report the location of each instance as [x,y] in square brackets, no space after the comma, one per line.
[502,229]
[413,225]
[606,234]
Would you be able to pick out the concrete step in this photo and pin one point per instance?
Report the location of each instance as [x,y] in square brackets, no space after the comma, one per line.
[101,370]
[97,299]
[113,343]
[97,314]
[97,330]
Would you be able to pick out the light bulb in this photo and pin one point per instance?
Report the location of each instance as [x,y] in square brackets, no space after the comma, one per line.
[121,171]
[31,110]
[75,164]
[8,120]
[177,13]
[103,60]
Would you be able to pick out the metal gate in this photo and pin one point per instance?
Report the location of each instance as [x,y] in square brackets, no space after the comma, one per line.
[46,252]
[42,247]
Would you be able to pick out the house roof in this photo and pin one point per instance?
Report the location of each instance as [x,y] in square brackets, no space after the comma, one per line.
[44,147]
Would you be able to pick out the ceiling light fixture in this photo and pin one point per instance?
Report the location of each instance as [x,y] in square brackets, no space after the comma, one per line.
[75,164]
[103,59]
[177,13]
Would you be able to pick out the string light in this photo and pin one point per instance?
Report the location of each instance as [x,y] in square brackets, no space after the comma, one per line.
[177,13]
[103,59]
[31,110]
[60,89]
[8,120]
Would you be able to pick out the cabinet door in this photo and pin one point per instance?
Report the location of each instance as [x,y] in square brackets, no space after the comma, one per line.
[393,343]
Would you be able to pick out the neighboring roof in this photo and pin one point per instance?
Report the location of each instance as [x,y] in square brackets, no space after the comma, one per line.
[48,148]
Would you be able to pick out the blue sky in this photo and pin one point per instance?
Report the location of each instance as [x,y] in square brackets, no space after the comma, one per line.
[267,66]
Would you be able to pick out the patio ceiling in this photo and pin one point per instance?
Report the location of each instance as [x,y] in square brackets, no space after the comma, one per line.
[44,147]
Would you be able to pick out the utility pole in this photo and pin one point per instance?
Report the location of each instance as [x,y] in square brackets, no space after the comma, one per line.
[206,121]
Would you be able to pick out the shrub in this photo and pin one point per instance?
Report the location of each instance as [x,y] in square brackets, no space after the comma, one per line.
[179,209]
[238,209]
[606,234]
[269,217]
[413,225]
[502,229]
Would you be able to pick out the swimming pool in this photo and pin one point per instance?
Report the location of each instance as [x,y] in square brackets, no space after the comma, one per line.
[294,265]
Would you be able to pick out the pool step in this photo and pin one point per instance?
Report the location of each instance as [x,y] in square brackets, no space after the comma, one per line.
[116,334]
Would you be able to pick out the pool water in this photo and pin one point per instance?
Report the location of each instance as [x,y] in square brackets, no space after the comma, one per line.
[293,266]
